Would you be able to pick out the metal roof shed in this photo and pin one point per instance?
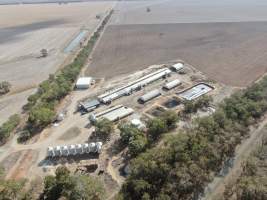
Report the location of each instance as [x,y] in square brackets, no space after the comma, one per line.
[83,82]
[150,95]
[90,105]
[177,66]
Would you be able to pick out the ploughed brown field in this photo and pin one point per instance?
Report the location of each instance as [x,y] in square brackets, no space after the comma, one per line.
[234,53]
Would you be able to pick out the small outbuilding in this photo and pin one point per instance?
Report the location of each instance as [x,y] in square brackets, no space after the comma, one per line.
[150,95]
[177,67]
[83,82]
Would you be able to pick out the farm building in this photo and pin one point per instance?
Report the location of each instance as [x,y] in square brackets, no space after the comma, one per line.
[172,84]
[177,67]
[150,95]
[133,86]
[89,105]
[113,114]
[195,91]
[83,82]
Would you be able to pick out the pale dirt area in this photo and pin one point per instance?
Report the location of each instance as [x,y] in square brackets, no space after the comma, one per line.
[12,104]
[25,30]
[231,53]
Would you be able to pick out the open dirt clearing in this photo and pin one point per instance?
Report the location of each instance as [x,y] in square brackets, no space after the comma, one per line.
[25,30]
[231,53]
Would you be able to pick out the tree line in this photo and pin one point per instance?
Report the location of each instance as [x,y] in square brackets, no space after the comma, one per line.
[41,105]
[188,161]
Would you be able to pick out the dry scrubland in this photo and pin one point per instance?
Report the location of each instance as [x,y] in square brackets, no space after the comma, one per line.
[25,30]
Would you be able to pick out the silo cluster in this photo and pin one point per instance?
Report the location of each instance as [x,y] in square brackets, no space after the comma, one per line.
[74,149]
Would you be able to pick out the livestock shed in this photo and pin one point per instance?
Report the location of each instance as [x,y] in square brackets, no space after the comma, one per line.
[83,82]
[89,105]
[133,86]
[113,114]
[172,84]
[177,67]
[149,96]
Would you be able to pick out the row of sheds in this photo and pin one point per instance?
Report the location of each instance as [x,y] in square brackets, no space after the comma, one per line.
[109,96]
[155,93]
[133,86]
[74,149]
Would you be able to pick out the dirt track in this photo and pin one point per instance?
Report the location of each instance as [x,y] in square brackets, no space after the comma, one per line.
[231,53]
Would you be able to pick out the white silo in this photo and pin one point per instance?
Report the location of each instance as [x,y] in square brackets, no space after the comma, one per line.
[50,152]
[86,148]
[72,150]
[99,147]
[92,147]
[65,150]
[79,149]
[57,151]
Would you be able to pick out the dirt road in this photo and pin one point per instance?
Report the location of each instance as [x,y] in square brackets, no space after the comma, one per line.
[216,188]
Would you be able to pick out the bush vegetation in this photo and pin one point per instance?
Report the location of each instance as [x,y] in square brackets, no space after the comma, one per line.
[4,87]
[251,184]
[9,126]
[41,105]
[138,141]
[65,185]
[103,129]
[187,162]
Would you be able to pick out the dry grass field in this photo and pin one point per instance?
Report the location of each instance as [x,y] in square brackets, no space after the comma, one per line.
[231,53]
[25,30]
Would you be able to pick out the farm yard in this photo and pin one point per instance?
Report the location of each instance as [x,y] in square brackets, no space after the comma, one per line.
[23,36]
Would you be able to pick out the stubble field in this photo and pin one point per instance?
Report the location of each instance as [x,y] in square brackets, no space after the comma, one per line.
[231,53]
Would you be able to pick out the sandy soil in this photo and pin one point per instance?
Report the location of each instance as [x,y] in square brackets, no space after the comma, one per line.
[231,53]
[25,30]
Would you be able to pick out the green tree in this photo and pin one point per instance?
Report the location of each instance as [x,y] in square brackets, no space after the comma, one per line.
[155,128]
[137,144]
[103,128]
[127,131]
[41,116]
[9,126]
[170,118]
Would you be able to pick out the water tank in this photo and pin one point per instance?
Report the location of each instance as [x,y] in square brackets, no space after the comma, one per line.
[65,150]
[86,148]
[57,151]
[92,147]
[50,152]
[99,147]
[79,149]
[72,150]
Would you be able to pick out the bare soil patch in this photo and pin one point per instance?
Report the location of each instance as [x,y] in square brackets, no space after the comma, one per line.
[9,161]
[231,53]
[70,133]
